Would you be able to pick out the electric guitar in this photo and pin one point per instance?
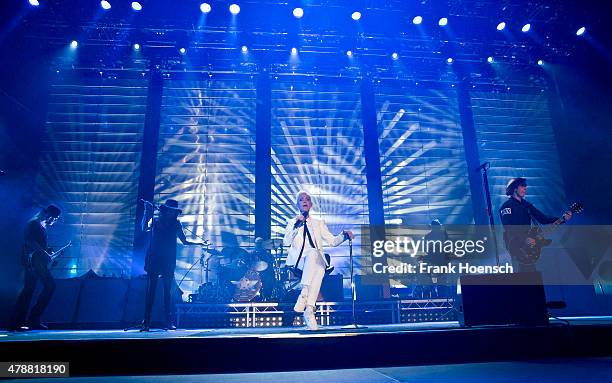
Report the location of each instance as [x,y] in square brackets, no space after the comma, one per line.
[529,254]
[45,256]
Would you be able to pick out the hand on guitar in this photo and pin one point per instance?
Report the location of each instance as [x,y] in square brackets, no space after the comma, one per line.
[567,216]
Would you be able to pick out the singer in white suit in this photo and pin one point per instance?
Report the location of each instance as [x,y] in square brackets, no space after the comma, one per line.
[306,235]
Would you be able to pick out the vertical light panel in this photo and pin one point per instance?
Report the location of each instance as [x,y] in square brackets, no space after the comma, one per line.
[317,146]
[90,168]
[206,161]
[515,134]
[423,166]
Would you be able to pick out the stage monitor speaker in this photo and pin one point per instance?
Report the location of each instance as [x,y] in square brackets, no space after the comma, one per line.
[501,299]
[332,289]
[102,301]
[367,291]
[62,307]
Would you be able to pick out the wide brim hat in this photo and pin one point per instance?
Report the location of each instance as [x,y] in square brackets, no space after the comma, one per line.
[171,205]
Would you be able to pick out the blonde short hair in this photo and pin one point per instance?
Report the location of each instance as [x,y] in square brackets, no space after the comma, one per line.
[297,196]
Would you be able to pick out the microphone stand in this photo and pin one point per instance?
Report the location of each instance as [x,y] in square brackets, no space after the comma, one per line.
[485,179]
[353,325]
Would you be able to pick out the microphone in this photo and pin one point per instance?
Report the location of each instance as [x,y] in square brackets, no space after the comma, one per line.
[298,222]
[484,166]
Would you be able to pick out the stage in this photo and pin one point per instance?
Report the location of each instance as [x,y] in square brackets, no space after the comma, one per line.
[253,350]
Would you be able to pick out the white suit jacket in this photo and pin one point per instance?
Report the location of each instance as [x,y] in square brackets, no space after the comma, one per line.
[318,231]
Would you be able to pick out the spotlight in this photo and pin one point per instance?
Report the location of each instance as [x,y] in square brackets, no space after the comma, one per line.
[34,3]
[234,9]
[490,59]
[205,8]
[349,53]
[580,31]
[136,6]
[74,44]
[356,16]
[501,26]
[136,47]
[298,13]
[526,28]
[105,5]
[182,50]
[417,20]
[294,51]
[540,62]
[244,49]
[443,21]
[394,56]
[449,60]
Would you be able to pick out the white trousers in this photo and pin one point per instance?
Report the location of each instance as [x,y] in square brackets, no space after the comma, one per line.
[312,276]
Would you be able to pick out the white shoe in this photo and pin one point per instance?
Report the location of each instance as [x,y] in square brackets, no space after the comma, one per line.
[309,319]
[300,305]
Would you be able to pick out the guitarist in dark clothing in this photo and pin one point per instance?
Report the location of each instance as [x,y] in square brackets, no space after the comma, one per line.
[35,260]
[517,216]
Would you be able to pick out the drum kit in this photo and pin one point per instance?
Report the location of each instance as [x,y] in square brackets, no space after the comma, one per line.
[245,277]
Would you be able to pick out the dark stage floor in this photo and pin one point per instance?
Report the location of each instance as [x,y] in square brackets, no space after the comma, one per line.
[585,370]
[244,351]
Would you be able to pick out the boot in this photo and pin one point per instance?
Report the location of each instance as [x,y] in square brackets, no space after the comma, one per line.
[300,305]
[309,319]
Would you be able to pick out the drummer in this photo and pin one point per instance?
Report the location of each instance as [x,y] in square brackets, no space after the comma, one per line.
[261,254]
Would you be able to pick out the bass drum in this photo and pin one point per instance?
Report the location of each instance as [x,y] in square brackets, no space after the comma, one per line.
[248,287]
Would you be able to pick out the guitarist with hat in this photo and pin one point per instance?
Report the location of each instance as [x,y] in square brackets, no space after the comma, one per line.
[35,260]
[517,216]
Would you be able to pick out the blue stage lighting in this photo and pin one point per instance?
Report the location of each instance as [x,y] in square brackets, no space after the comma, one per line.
[74,44]
[182,50]
[356,16]
[526,28]
[105,4]
[205,8]
[449,60]
[349,53]
[501,26]
[294,51]
[443,21]
[136,47]
[298,13]
[34,3]
[244,49]
[490,59]
[580,31]
[394,56]
[234,9]
[540,62]
[136,6]
[417,20]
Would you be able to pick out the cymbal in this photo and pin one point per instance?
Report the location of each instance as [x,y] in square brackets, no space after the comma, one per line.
[259,266]
[213,252]
[270,244]
[233,252]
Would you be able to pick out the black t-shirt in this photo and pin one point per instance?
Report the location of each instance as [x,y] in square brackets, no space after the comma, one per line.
[35,238]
